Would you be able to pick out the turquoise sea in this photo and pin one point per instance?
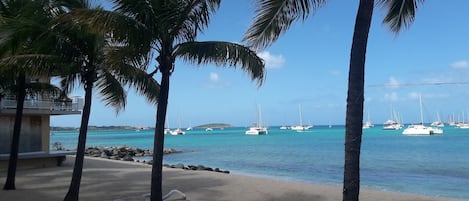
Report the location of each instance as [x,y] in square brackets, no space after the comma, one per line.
[425,165]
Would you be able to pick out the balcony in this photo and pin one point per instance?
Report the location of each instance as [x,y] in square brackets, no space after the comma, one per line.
[8,106]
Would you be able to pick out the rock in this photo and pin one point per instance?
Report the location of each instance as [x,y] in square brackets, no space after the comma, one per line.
[127,158]
[104,155]
[179,165]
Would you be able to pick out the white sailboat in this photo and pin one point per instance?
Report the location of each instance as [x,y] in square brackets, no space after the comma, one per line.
[177,131]
[420,129]
[300,127]
[438,122]
[190,127]
[368,123]
[463,124]
[394,123]
[257,128]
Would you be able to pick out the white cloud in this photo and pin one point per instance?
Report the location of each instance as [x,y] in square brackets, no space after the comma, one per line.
[335,72]
[214,77]
[393,83]
[460,64]
[414,95]
[392,97]
[272,61]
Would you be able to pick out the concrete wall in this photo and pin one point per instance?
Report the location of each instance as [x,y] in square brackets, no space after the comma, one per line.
[34,133]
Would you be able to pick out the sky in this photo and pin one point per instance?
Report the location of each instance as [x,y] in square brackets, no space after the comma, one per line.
[308,68]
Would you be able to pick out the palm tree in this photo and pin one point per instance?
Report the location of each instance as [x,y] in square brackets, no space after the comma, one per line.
[98,63]
[20,27]
[73,53]
[169,28]
[274,17]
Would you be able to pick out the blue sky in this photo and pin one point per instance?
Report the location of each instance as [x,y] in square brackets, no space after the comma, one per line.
[308,66]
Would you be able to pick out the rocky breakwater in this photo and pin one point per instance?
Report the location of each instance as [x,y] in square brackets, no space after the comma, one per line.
[124,153]
[196,167]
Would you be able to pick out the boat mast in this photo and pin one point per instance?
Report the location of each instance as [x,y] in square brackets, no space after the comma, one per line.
[421,112]
[301,119]
[259,115]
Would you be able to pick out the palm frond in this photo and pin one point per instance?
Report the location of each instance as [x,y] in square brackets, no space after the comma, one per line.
[223,53]
[144,84]
[42,88]
[111,91]
[120,27]
[131,72]
[34,64]
[274,17]
[399,13]
[189,17]
[118,55]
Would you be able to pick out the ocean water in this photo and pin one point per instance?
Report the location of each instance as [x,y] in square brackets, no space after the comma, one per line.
[390,161]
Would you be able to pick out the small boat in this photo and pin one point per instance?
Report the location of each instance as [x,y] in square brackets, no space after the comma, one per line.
[420,129]
[392,125]
[368,123]
[177,131]
[300,127]
[257,128]
[438,122]
[208,129]
[190,127]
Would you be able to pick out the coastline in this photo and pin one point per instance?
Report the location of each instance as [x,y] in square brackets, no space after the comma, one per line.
[105,179]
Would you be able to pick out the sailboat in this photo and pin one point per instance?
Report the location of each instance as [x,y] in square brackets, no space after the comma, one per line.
[300,127]
[257,128]
[420,129]
[368,123]
[394,123]
[438,122]
[177,131]
[190,126]
[463,124]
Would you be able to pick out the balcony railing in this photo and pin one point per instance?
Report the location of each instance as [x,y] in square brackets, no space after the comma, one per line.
[42,105]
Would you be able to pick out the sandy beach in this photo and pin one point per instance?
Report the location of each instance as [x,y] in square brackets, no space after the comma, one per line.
[108,180]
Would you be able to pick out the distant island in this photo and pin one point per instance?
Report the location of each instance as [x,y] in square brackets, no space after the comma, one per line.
[214,125]
[57,128]
[110,128]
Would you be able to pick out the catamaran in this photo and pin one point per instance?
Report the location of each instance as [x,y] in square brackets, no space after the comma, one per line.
[257,128]
[420,129]
[300,127]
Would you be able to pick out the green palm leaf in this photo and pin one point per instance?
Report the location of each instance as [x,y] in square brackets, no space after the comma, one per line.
[274,17]
[399,13]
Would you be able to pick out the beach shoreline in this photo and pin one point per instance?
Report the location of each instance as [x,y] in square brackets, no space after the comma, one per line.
[105,179]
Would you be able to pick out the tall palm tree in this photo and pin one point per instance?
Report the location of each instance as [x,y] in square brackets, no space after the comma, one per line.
[96,62]
[20,26]
[169,28]
[274,17]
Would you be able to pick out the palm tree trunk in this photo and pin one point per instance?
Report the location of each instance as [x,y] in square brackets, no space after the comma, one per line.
[157,167]
[355,97]
[74,188]
[15,141]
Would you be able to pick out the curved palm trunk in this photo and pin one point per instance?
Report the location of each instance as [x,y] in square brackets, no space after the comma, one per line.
[74,188]
[15,141]
[158,144]
[355,97]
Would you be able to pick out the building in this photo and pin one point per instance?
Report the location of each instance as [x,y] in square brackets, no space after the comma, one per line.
[34,148]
